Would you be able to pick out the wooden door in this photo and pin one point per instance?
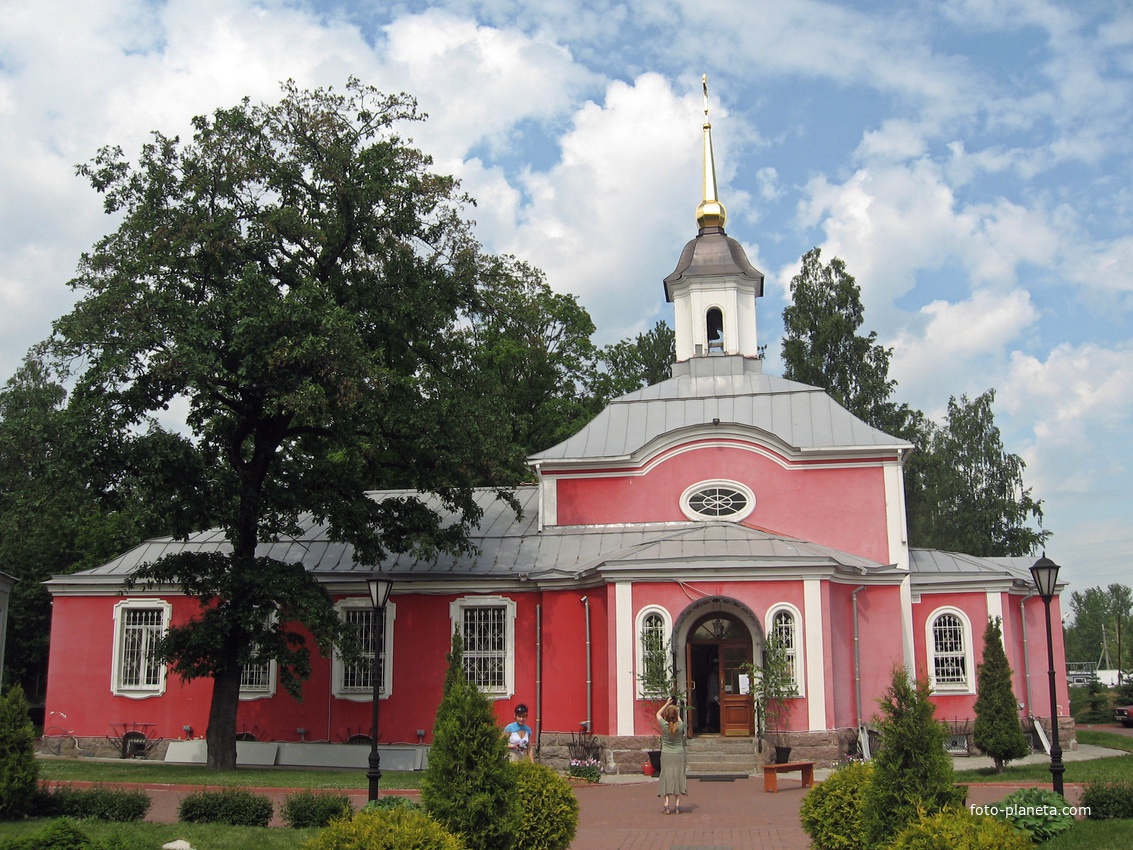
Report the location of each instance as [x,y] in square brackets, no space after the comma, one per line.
[737,716]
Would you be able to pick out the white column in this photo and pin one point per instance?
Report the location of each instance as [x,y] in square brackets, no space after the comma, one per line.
[814,630]
[623,656]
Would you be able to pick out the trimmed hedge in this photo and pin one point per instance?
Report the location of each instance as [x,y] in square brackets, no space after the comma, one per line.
[62,834]
[120,805]
[1108,800]
[831,812]
[548,808]
[314,808]
[232,806]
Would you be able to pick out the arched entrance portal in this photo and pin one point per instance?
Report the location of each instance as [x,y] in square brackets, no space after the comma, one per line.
[717,648]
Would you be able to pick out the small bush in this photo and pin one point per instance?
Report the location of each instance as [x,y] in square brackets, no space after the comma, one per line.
[232,806]
[958,829]
[1108,800]
[1040,812]
[61,834]
[831,812]
[18,770]
[120,805]
[314,808]
[385,829]
[549,808]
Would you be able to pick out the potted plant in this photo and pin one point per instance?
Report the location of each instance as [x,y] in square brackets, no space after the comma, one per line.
[773,687]
[658,678]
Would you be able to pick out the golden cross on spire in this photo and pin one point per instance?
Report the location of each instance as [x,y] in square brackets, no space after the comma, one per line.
[711,212]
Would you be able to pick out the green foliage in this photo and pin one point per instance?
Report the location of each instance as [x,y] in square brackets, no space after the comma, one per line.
[120,805]
[314,808]
[395,828]
[997,732]
[549,808]
[821,346]
[1108,800]
[642,361]
[1098,708]
[957,829]
[62,834]
[912,772]
[394,802]
[831,812]
[469,785]
[1041,813]
[966,492]
[1099,631]
[232,806]
[18,772]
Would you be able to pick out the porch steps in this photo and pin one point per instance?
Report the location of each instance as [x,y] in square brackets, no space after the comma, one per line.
[716,754]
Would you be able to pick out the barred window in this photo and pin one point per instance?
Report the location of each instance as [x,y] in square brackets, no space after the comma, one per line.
[255,678]
[138,626]
[358,677]
[487,628]
[783,627]
[653,663]
[950,650]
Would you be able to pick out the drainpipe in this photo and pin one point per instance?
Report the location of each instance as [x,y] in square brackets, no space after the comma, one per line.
[589,674]
[857,661]
[538,675]
[1026,655]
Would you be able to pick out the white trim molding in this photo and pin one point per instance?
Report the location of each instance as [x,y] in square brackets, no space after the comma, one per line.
[146,620]
[338,687]
[502,669]
[957,628]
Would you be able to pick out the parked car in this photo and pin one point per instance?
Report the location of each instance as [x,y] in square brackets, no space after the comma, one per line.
[1124,716]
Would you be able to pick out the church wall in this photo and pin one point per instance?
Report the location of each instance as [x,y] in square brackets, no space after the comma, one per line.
[880,648]
[842,507]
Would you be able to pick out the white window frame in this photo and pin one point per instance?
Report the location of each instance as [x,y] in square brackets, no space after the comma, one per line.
[798,656]
[121,611]
[968,685]
[696,516]
[339,673]
[457,609]
[639,647]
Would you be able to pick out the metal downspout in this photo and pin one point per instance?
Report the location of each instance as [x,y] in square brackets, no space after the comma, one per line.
[863,732]
[589,673]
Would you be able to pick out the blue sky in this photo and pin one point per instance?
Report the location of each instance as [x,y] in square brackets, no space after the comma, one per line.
[969,160]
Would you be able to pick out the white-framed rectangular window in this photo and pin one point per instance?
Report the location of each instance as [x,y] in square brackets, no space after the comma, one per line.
[138,625]
[355,681]
[487,628]
[257,680]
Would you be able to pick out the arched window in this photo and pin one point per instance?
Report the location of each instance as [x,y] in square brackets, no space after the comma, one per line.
[654,663]
[714,325]
[949,641]
[784,620]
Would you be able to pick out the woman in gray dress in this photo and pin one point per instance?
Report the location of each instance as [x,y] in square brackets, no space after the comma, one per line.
[673,783]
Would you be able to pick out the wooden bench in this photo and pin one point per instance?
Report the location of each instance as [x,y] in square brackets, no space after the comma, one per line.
[771,774]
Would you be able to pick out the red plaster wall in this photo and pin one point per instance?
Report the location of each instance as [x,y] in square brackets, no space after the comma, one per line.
[841,507]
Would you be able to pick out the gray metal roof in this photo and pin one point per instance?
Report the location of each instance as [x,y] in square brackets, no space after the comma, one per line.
[511,548]
[733,390]
[934,564]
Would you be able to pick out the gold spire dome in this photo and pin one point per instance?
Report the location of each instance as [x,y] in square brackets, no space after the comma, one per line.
[711,212]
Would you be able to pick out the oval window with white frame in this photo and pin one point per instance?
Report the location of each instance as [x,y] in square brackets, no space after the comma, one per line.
[717,500]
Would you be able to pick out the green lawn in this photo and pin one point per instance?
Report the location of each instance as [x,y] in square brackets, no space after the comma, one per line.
[156,772]
[146,836]
[1094,770]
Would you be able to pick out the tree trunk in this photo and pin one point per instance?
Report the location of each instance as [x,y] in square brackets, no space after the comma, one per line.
[221,735]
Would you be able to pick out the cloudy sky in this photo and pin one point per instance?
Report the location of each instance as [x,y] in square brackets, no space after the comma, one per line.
[969,160]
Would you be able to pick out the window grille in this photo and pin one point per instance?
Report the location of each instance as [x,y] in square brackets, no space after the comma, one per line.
[949,657]
[141,630]
[256,677]
[717,502]
[358,676]
[653,661]
[783,626]
[485,648]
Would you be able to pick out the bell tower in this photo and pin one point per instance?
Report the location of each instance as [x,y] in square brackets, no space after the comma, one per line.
[714,287]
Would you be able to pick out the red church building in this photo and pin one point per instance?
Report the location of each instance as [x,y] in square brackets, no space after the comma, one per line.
[702,513]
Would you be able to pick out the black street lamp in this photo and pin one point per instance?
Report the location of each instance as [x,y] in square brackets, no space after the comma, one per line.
[1045,574]
[379,587]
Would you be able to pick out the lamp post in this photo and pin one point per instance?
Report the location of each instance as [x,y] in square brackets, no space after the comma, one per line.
[379,587]
[1045,574]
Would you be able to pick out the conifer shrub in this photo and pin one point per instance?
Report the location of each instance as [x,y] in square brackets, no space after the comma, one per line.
[1108,800]
[831,812]
[232,806]
[120,805]
[385,829]
[469,786]
[309,808]
[958,829]
[1040,812]
[912,774]
[18,770]
[998,731]
[550,809]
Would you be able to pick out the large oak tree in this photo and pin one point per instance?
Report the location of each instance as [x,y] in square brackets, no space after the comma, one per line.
[295,276]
